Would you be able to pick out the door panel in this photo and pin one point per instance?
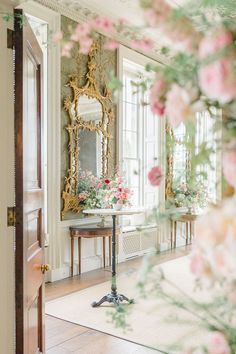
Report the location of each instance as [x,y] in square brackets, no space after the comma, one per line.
[29,191]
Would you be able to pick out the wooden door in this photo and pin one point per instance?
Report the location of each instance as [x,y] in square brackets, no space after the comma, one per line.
[29,190]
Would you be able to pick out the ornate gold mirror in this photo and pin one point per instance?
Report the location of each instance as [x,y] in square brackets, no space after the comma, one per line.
[90,114]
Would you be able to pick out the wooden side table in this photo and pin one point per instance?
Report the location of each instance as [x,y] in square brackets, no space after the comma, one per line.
[89,232]
[188,219]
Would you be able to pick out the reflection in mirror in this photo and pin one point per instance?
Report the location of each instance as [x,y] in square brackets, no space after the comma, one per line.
[90,152]
[89,109]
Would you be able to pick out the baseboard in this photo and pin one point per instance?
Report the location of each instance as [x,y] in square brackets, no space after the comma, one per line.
[87,264]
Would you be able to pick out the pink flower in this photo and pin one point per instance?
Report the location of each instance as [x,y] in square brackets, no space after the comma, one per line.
[157,97]
[214,42]
[144,44]
[57,37]
[199,266]
[155,176]
[103,23]
[111,45]
[157,13]
[218,78]
[217,344]
[82,30]
[66,49]
[179,31]
[85,45]
[229,166]
[179,105]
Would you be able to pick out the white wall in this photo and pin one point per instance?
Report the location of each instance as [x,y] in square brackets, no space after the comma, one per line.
[6,192]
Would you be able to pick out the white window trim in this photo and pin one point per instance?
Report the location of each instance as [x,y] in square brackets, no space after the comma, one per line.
[139,59]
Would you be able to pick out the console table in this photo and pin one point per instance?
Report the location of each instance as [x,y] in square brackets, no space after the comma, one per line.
[89,231]
[186,218]
[113,297]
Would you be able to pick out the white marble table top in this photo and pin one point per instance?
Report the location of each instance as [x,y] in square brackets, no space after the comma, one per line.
[111,212]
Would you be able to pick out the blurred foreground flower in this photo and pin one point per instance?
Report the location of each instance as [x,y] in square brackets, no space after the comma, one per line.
[155,176]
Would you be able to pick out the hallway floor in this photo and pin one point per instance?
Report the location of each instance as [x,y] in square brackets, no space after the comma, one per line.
[63,337]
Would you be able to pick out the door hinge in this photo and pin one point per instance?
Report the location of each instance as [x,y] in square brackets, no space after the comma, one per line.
[11,216]
[10,38]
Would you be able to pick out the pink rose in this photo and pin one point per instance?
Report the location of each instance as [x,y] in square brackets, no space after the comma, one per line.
[218,78]
[214,42]
[155,176]
[143,44]
[229,166]
[103,23]
[217,344]
[66,49]
[85,45]
[179,105]
[57,37]
[81,31]
[157,97]
[111,45]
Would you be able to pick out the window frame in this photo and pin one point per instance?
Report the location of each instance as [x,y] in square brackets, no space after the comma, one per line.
[140,61]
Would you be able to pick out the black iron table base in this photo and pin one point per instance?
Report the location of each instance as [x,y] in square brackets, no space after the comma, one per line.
[113,297]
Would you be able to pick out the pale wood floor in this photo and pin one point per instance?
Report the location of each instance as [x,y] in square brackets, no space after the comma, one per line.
[65,338]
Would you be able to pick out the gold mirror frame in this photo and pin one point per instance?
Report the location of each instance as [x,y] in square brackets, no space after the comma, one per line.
[76,124]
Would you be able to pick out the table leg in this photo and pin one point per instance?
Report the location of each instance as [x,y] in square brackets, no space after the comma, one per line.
[186,233]
[175,231]
[113,297]
[79,254]
[104,251]
[72,256]
[191,231]
[109,250]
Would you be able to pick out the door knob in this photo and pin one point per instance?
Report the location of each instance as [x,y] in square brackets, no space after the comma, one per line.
[45,268]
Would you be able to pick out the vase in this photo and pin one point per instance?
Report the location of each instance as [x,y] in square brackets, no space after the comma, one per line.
[117,206]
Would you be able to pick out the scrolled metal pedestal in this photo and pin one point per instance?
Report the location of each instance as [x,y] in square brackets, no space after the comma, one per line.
[113,297]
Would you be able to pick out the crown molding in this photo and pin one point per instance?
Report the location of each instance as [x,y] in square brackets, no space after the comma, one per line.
[80,13]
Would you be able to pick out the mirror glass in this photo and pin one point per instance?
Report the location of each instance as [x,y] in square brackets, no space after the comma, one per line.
[89,109]
[90,152]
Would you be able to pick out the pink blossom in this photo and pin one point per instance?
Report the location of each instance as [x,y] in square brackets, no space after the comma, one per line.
[179,31]
[218,78]
[144,44]
[157,97]
[57,37]
[229,166]
[157,13]
[81,31]
[104,24]
[213,42]
[111,45]
[66,49]
[179,105]
[85,45]
[217,344]
[155,176]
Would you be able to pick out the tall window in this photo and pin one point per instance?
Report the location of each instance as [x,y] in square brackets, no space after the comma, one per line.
[140,137]
[206,135]
[207,173]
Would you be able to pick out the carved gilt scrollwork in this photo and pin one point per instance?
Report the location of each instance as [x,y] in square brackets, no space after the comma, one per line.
[77,123]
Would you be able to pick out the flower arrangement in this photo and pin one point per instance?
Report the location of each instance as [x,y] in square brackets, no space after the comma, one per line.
[189,195]
[200,74]
[87,190]
[94,192]
[114,192]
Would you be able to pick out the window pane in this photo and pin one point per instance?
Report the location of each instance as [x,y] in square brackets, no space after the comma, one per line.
[130,144]
[130,117]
